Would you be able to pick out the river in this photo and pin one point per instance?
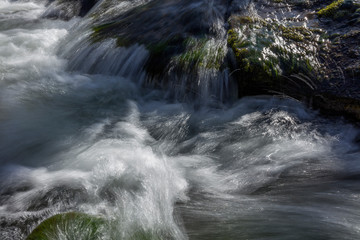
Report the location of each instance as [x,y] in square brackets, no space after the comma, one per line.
[81,139]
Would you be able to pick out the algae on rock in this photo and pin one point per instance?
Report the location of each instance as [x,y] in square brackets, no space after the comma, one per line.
[206,53]
[70,225]
[331,9]
[81,226]
[267,52]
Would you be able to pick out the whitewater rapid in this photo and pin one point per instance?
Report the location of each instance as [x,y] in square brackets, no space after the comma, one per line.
[73,138]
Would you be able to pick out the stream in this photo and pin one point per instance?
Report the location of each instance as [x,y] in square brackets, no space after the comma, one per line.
[80,132]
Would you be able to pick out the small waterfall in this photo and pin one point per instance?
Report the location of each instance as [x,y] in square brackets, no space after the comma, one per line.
[188,67]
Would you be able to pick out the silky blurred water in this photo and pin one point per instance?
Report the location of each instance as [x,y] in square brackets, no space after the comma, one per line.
[78,139]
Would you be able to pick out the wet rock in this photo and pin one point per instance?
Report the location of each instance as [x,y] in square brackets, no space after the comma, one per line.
[354,69]
[157,21]
[183,44]
[7,192]
[337,54]
[62,195]
[330,10]
[299,48]
[339,10]
[18,225]
[113,189]
[72,225]
[337,105]
[347,4]
[67,9]
[75,225]
[268,53]
[342,65]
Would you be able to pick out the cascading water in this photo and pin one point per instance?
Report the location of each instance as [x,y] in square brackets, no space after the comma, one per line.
[79,133]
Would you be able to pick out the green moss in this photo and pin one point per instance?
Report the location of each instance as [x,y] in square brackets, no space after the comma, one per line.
[293,36]
[298,34]
[70,225]
[80,226]
[98,31]
[194,53]
[267,53]
[101,27]
[255,67]
[200,52]
[251,57]
[144,235]
[238,21]
[331,9]
[232,38]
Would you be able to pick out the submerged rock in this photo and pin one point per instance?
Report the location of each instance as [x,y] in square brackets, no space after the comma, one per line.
[70,225]
[63,195]
[81,226]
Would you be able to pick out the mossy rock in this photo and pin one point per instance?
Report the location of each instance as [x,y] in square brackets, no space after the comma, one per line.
[71,226]
[298,34]
[331,9]
[145,235]
[268,53]
[201,52]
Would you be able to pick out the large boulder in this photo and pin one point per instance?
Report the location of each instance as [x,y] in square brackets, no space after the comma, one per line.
[273,56]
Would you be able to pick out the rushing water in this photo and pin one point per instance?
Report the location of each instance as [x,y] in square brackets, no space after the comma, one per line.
[94,141]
